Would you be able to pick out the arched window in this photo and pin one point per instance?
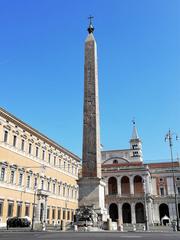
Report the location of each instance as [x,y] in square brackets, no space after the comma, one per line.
[163,211]
[112,185]
[126,213]
[139,209]
[138,185]
[125,186]
[113,212]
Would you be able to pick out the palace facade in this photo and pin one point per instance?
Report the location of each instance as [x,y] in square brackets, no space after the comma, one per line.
[137,192]
[36,174]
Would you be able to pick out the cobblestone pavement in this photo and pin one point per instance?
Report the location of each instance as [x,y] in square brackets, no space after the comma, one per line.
[89,235]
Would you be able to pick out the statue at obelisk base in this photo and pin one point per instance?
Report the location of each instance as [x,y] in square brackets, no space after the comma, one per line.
[91,210]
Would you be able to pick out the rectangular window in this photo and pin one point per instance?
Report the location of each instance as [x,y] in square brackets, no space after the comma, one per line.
[54,161]
[37,151]
[53,213]
[162,191]
[35,183]
[72,169]
[64,165]
[48,186]
[1,209]
[64,214]
[10,209]
[30,148]
[54,188]
[2,174]
[19,210]
[59,189]
[12,177]
[27,211]
[42,184]
[60,163]
[63,191]
[47,213]
[59,214]
[68,167]
[22,144]
[20,179]
[5,136]
[72,216]
[49,158]
[68,215]
[14,140]
[28,181]
[43,155]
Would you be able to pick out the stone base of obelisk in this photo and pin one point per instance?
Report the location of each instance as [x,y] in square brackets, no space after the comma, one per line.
[91,213]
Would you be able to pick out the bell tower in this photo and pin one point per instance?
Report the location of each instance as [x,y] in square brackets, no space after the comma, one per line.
[136,145]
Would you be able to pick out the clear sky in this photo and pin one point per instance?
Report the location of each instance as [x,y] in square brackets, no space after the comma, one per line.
[42,61]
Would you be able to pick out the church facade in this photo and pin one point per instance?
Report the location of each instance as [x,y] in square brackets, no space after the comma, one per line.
[136,192]
[38,177]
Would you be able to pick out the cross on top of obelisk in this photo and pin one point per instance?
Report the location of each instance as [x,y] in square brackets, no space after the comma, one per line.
[90,28]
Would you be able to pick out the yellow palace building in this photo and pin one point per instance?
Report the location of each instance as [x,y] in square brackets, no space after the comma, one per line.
[38,177]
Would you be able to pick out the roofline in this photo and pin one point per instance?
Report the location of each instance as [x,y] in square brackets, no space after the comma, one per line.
[36,133]
[115,150]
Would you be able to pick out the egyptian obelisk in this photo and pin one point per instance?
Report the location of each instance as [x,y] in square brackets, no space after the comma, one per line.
[91,186]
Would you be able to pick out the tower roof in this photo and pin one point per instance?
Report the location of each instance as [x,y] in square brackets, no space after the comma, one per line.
[134,133]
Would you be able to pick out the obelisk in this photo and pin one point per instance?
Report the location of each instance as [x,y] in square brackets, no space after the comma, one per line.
[91,186]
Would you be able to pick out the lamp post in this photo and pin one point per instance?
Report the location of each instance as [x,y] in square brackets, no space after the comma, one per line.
[169,138]
[145,207]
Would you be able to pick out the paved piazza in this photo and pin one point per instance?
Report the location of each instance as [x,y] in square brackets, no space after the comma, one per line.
[88,235]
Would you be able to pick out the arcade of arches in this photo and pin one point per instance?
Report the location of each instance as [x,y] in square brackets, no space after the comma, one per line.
[125,185]
[135,212]
[127,212]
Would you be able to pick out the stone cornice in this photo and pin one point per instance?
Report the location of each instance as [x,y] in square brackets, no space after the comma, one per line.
[8,116]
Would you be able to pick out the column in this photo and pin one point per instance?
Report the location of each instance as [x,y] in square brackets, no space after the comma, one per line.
[45,209]
[106,187]
[156,213]
[132,185]
[149,212]
[37,211]
[133,215]
[147,184]
[172,211]
[120,213]
[119,185]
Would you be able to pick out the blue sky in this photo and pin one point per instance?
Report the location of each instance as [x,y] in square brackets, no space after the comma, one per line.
[41,69]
